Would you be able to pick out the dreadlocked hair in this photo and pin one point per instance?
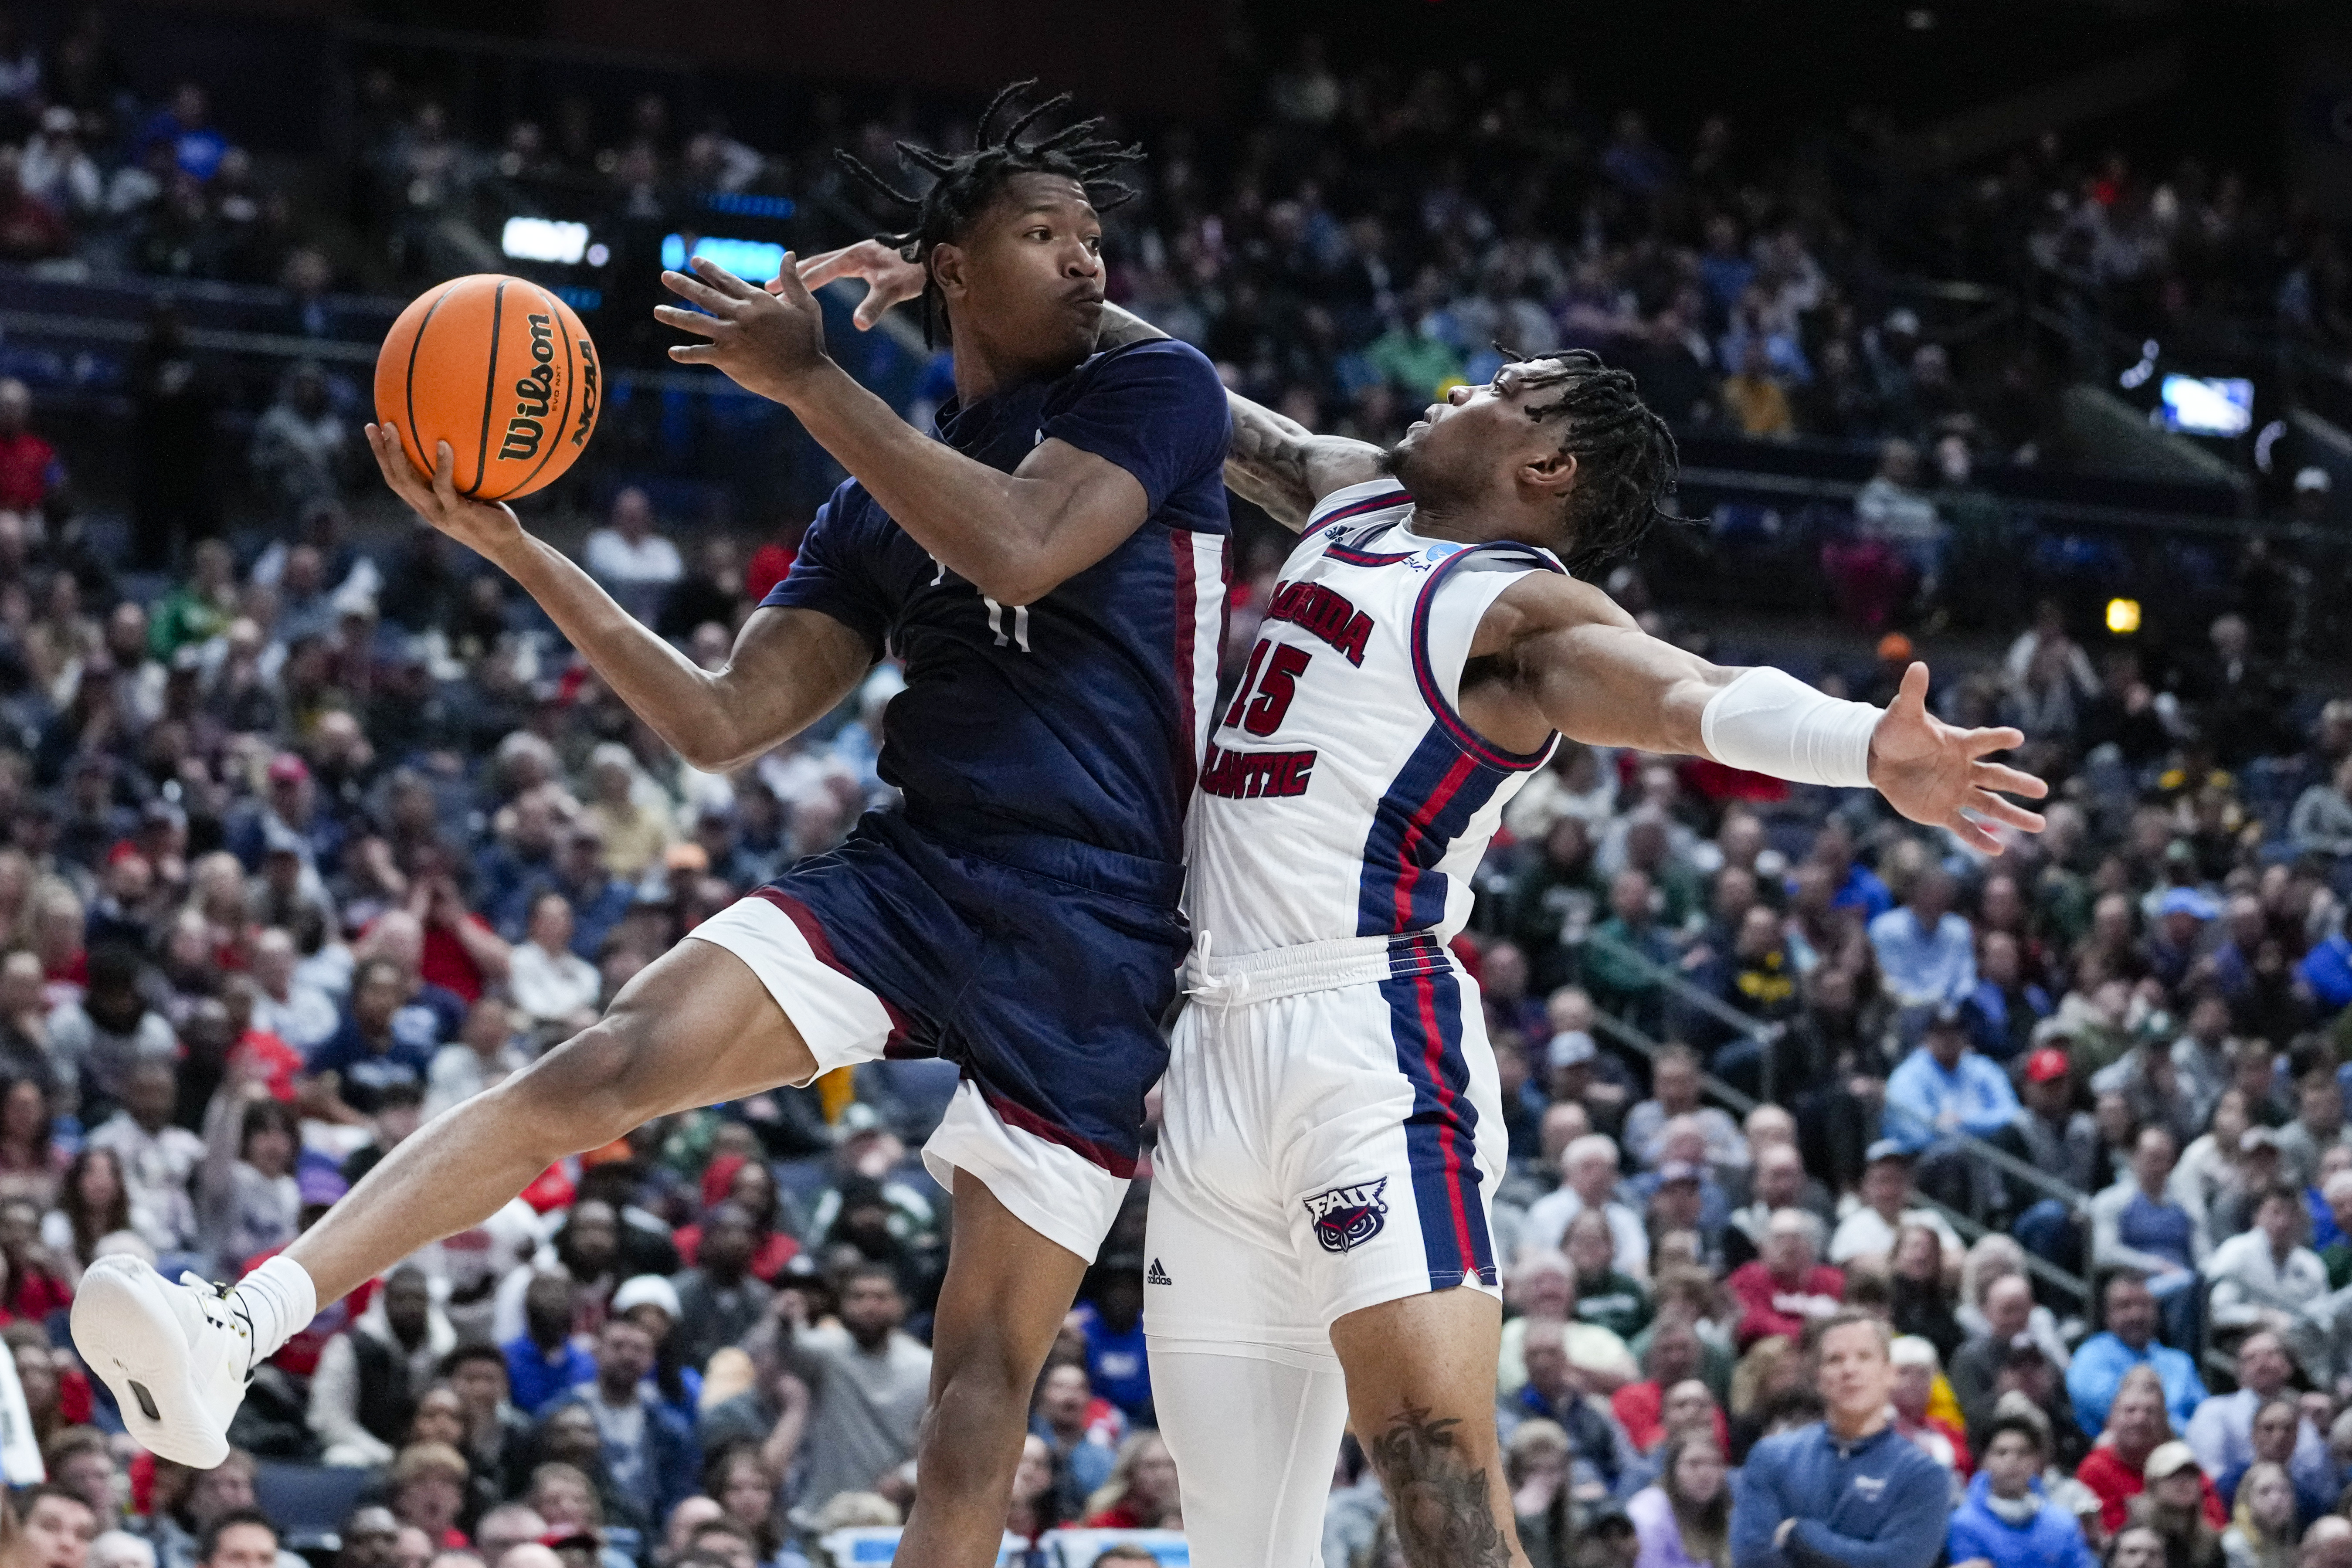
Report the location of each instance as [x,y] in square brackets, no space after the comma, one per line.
[962,187]
[1626,462]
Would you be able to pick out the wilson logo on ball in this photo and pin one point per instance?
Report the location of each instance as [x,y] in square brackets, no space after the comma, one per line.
[587,392]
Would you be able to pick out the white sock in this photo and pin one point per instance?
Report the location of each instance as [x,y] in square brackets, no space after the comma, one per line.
[280,1300]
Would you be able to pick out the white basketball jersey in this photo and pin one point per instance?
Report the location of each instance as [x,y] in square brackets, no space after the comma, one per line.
[1343,794]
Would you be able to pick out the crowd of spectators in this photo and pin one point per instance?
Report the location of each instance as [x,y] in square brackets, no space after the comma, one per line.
[318,841]
[1369,236]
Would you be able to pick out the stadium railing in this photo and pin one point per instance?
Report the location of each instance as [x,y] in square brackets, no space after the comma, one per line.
[1767,1035]
[1625,1035]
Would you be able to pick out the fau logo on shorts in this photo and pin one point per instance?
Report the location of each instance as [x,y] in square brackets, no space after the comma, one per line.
[1346,1217]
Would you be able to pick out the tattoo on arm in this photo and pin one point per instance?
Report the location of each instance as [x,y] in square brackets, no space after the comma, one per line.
[1442,1505]
[1266,463]
[1119,328]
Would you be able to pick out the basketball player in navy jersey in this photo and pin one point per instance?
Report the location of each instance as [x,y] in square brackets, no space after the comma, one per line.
[1320,1256]
[1050,569]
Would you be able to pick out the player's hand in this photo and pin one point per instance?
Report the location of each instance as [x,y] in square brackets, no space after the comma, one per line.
[767,344]
[485,527]
[889,278]
[1937,775]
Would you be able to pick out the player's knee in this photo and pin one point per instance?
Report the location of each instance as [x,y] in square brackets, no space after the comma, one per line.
[988,1374]
[594,1087]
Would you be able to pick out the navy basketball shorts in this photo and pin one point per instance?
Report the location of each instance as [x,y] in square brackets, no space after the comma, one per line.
[1042,968]
[1332,1132]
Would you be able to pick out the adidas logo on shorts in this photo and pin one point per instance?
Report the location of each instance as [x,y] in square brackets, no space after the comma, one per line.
[1156,1275]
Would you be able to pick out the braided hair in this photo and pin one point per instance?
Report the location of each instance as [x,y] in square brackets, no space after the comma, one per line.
[962,187]
[1626,461]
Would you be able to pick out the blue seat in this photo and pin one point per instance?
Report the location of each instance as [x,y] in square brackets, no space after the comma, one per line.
[309,1502]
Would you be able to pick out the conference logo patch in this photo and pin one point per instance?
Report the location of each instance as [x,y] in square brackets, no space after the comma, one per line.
[1346,1217]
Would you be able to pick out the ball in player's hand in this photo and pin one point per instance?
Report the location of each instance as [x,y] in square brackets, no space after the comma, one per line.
[500,369]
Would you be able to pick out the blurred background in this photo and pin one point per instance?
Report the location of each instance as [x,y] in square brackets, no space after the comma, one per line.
[2085,259]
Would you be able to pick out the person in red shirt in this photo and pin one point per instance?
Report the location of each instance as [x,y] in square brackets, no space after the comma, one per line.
[28,465]
[2115,1470]
[275,1062]
[428,1491]
[461,955]
[1789,1287]
[1141,1491]
[748,1186]
[1674,1358]
[1916,1367]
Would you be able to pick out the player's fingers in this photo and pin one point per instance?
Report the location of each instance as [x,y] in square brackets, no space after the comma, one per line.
[2012,781]
[719,278]
[2003,738]
[689,287]
[444,474]
[1986,804]
[789,286]
[686,321]
[869,310]
[694,354]
[1971,832]
[816,271]
[384,443]
[1913,692]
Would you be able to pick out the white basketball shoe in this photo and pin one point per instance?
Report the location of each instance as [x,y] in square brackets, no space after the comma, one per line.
[176,1356]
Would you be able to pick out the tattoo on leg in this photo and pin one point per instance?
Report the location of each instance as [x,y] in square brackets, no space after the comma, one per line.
[1444,1506]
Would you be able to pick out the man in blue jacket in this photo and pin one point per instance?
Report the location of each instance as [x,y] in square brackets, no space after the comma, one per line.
[650,1450]
[1944,1091]
[2005,1522]
[1849,1490]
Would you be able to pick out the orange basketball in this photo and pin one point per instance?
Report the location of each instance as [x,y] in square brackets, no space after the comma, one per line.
[500,369]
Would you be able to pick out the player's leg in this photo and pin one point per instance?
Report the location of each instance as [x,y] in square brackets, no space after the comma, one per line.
[1254,1431]
[700,1024]
[1421,1398]
[1250,1398]
[1058,1031]
[1007,1289]
[1390,1220]
[694,1028]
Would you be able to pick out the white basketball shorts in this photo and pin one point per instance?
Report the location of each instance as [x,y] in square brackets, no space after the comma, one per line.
[1332,1128]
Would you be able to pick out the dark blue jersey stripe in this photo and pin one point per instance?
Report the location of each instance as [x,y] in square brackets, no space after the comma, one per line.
[1442,1131]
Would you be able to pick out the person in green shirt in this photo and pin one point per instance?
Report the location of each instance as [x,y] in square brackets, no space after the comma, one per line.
[2337,1254]
[1615,970]
[1553,899]
[1605,1298]
[1414,362]
[199,609]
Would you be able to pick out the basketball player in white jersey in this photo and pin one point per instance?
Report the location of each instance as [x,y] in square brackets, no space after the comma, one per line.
[1319,1249]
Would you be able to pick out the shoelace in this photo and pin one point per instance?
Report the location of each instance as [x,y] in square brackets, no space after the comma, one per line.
[1210,990]
[210,1297]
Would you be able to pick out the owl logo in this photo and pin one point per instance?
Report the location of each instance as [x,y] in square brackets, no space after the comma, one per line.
[1346,1217]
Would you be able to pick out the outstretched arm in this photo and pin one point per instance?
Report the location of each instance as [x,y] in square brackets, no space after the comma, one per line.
[1275,462]
[788,667]
[1286,468]
[1573,660]
[1015,537]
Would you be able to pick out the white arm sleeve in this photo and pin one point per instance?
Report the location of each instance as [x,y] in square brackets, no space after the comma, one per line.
[1768,721]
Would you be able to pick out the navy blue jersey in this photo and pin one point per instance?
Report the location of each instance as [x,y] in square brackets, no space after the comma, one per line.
[1082,716]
